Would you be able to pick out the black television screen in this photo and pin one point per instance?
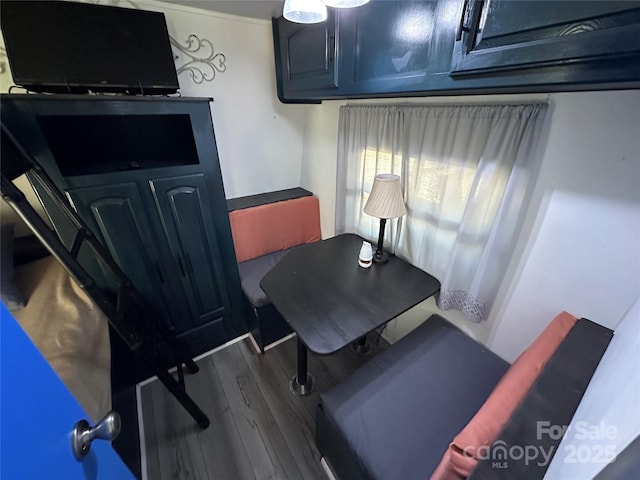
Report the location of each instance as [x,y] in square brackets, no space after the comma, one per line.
[78,47]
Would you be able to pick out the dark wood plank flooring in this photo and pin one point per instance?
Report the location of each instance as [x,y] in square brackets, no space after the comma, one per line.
[259,430]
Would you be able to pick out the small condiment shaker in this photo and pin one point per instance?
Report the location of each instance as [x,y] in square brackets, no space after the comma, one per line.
[366,255]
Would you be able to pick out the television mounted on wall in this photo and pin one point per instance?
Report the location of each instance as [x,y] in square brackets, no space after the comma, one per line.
[71,47]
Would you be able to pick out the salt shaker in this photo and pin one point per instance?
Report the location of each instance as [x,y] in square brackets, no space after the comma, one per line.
[366,255]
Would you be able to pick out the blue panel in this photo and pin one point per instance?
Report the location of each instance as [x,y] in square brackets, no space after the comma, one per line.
[37,415]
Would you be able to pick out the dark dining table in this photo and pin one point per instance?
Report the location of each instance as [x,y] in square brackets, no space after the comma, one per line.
[330,301]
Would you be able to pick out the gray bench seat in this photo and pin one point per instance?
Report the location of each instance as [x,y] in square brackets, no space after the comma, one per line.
[395,416]
[252,271]
[264,227]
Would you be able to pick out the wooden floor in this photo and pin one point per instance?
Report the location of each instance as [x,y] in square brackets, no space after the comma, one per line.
[259,430]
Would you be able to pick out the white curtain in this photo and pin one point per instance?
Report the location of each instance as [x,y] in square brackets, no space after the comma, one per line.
[466,173]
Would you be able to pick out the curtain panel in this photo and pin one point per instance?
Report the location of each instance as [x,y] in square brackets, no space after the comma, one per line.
[466,172]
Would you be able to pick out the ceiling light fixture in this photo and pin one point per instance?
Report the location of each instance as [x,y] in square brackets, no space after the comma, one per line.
[304,11]
[314,11]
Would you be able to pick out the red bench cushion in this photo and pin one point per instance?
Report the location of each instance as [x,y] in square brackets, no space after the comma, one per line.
[268,228]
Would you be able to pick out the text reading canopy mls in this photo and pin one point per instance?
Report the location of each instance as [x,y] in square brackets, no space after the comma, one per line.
[70,47]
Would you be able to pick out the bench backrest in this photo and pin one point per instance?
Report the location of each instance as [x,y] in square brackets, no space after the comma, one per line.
[276,226]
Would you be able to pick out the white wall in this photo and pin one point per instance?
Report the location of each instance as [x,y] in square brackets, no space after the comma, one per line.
[319,165]
[579,248]
[583,252]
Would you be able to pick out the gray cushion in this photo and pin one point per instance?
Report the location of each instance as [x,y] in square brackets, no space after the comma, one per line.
[252,271]
[395,416]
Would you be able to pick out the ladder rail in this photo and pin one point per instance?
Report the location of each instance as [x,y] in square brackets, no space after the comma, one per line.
[141,333]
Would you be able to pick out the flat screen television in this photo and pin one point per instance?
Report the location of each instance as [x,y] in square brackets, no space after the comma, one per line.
[70,47]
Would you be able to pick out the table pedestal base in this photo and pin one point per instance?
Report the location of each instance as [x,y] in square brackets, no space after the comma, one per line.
[301,384]
[362,346]
[301,390]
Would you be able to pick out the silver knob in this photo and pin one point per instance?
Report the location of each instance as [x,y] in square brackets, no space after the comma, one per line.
[106,429]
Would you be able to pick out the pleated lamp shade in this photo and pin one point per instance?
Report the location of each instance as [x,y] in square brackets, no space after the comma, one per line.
[385,199]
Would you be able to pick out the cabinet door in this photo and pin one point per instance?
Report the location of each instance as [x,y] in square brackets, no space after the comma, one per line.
[308,54]
[390,45]
[497,35]
[184,206]
[115,213]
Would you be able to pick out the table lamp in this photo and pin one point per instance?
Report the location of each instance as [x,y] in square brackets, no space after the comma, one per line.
[385,201]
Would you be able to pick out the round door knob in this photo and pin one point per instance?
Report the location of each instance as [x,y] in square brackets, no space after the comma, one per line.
[83,434]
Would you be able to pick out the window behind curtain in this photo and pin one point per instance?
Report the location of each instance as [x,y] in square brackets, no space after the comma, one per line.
[465,171]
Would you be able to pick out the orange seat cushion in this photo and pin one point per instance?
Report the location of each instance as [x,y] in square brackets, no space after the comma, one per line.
[276,226]
[463,453]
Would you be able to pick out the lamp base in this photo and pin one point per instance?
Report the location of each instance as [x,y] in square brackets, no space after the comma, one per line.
[380,256]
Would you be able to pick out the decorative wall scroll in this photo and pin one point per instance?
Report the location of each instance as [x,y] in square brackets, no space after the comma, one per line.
[198,58]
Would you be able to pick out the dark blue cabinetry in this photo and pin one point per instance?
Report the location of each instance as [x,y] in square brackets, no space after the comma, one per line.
[183,204]
[117,216]
[393,48]
[498,35]
[308,54]
[143,173]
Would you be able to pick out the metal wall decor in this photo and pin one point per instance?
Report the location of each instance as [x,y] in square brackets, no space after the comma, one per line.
[198,58]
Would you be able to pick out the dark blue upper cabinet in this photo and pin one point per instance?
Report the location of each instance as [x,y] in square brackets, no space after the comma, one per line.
[394,48]
[503,35]
[308,53]
[385,46]
[388,46]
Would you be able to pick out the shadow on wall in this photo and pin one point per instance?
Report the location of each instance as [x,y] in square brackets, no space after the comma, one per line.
[581,235]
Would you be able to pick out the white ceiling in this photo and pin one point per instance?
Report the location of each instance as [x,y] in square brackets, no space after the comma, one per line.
[264,9]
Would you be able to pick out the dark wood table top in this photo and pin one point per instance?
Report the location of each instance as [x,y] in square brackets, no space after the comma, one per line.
[330,301]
